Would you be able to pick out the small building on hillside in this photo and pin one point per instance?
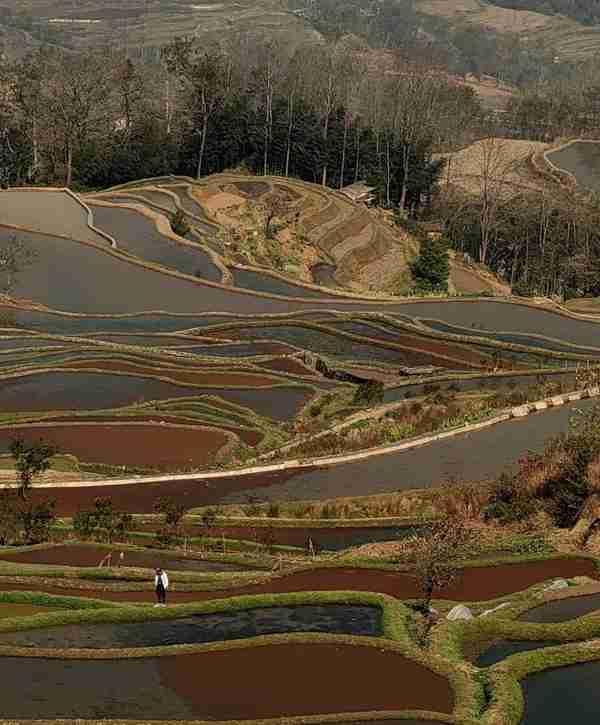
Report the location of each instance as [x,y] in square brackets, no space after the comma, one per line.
[433,230]
[359,192]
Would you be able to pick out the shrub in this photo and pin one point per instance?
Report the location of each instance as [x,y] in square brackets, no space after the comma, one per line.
[36,520]
[273,510]
[9,518]
[179,223]
[508,503]
[369,392]
[31,459]
[523,289]
[103,521]
[173,512]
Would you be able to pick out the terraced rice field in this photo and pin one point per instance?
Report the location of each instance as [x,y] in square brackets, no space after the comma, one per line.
[155,356]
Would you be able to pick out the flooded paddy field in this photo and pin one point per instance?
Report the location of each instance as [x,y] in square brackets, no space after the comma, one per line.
[499,448]
[138,235]
[204,628]
[582,160]
[222,684]
[562,610]
[125,444]
[88,555]
[505,648]
[480,583]
[564,694]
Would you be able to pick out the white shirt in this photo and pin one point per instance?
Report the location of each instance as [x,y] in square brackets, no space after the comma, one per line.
[164,578]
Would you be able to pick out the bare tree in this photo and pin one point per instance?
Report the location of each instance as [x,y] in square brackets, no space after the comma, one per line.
[15,256]
[202,77]
[330,67]
[76,101]
[267,77]
[130,91]
[436,553]
[494,164]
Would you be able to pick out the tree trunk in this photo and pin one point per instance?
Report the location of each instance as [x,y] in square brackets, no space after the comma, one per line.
[404,192]
[357,151]
[35,149]
[288,149]
[168,106]
[387,174]
[202,147]
[343,163]
[69,165]
[325,133]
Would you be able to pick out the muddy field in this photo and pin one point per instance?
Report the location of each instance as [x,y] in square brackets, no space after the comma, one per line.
[475,584]
[84,391]
[223,685]
[84,555]
[140,444]
[498,449]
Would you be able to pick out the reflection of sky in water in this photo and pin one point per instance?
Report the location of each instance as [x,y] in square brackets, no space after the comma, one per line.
[582,159]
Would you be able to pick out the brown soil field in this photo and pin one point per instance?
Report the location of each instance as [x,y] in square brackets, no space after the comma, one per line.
[134,445]
[479,583]
[140,498]
[216,379]
[91,556]
[467,280]
[271,681]
[249,436]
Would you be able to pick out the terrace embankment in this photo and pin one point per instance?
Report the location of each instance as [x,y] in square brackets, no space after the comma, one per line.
[91,556]
[498,449]
[479,583]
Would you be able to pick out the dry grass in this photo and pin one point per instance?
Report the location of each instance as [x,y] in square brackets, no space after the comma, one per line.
[508,169]
[500,20]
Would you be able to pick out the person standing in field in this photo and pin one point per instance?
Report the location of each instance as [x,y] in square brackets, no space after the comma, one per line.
[161,584]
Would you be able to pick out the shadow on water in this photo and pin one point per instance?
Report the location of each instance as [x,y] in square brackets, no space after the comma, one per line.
[505,648]
[203,628]
[565,694]
[562,610]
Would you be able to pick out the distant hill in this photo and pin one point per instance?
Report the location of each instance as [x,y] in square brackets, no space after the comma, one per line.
[566,38]
[142,26]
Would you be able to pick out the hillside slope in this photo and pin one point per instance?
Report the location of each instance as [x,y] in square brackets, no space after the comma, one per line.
[142,26]
[567,39]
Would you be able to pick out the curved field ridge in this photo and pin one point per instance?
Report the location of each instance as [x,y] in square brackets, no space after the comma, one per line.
[475,584]
[50,211]
[90,555]
[410,464]
[139,235]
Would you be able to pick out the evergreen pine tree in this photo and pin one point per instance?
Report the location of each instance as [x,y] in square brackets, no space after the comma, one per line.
[431,268]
